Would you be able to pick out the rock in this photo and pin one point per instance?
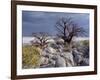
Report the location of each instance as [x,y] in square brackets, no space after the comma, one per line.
[60,62]
[60,48]
[69,58]
[44,60]
[51,61]
[53,45]
[50,50]
[44,53]
[84,50]
[77,56]
[48,55]
[84,62]
[54,57]
[47,66]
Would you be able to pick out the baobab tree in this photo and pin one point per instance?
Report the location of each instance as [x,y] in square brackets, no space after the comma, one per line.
[42,39]
[67,29]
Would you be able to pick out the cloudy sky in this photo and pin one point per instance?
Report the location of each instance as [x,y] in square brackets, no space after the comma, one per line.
[35,21]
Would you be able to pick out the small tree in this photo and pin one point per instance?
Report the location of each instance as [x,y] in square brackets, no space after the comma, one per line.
[42,38]
[67,29]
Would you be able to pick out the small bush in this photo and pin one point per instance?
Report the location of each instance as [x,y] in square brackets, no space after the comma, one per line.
[81,43]
[30,57]
[85,43]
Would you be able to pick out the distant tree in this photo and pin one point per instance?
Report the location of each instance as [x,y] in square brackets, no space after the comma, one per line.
[67,29]
[42,38]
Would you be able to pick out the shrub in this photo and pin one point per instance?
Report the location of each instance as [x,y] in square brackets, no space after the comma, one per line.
[85,43]
[30,57]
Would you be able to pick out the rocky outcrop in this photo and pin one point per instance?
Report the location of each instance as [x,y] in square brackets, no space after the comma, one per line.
[60,61]
[52,58]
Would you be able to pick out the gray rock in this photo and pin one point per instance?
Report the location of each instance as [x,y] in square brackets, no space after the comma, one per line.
[47,66]
[61,48]
[44,60]
[84,50]
[84,62]
[69,58]
[50,50]
[51,61]
[44,53]
[54,57]
[60,62]
[77,56]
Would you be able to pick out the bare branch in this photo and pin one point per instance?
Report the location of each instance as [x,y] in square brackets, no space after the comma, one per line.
[67,29]
[42,38]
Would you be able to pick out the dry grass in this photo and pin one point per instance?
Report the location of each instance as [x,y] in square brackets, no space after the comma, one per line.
[30,57]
